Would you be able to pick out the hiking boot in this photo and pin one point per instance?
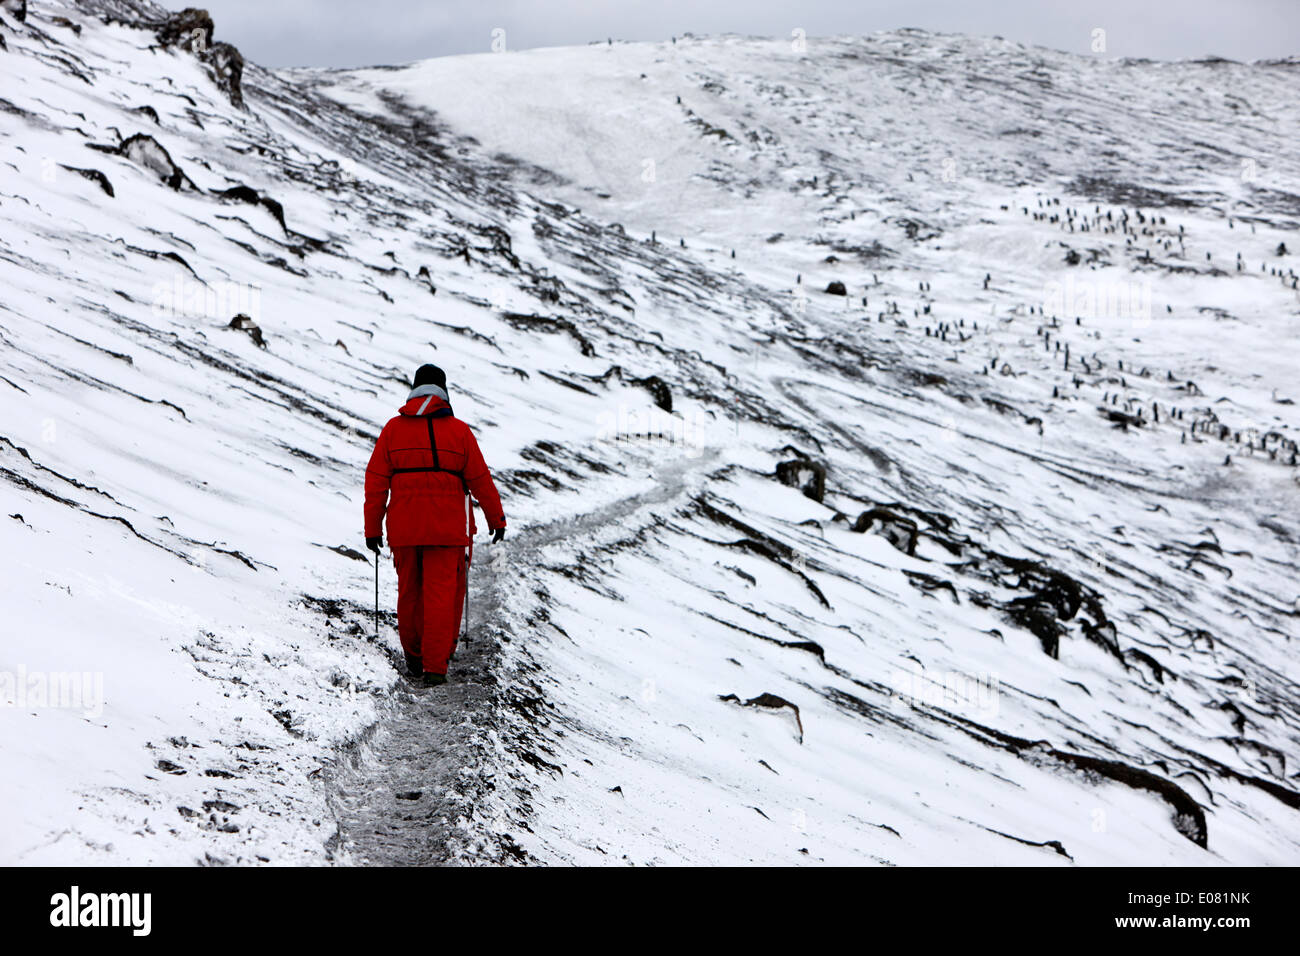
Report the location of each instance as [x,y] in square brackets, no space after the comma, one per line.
[414,666]
[433,680]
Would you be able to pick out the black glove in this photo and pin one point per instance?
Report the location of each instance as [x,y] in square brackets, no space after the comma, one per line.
[374,544]
[498,534]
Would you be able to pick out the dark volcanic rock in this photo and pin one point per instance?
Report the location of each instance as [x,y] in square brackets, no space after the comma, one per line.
[190,29]
[898,531]
[147,153]
[1039,618]
[94,175]
[805,474]
[247,194]
[768,702]
[243,323]
[658,389]
[227,64]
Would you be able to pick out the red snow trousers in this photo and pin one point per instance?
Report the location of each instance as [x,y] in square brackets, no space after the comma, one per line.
[431,584]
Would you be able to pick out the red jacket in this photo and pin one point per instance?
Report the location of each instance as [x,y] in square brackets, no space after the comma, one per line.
[428,506]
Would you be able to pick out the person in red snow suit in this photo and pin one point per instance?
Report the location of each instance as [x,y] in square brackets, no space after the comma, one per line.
[425,467]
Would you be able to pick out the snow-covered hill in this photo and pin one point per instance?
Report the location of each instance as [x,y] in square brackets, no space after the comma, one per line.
[991,558]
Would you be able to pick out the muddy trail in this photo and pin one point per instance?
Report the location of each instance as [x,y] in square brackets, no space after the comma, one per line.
[439,778]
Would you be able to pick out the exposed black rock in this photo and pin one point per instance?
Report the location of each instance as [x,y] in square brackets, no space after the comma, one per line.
[1038,617]
[190,29]
[245,324]
[347,552]
[898,531]
[247,194]
[66,24]
[1188,817]
[769,702]
[147,153]
[1126,194]
[227,65]
[546,323]
[805,474]
[94,175]
[763,545]
[658,389]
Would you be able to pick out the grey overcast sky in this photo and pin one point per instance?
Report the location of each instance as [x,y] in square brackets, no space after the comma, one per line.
[347,33]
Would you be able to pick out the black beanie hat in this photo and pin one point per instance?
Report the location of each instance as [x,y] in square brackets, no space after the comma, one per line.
[431,375]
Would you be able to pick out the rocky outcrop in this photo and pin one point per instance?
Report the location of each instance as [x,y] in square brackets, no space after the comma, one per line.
[247,194]
[658,389]
[147,153]
[767,702]
[66,24]
[94,175]
[227,65]
[549,324]
[805,474]
[899,531]
[1054,597]
[1188,816]
[191,30]
[243,323]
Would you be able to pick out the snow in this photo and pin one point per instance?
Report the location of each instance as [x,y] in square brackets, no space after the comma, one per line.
[180,487]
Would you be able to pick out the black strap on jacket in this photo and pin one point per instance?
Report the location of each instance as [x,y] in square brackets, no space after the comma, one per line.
[433,446]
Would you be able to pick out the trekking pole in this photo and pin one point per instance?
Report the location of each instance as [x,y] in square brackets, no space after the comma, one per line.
[376,597]
[465,626]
